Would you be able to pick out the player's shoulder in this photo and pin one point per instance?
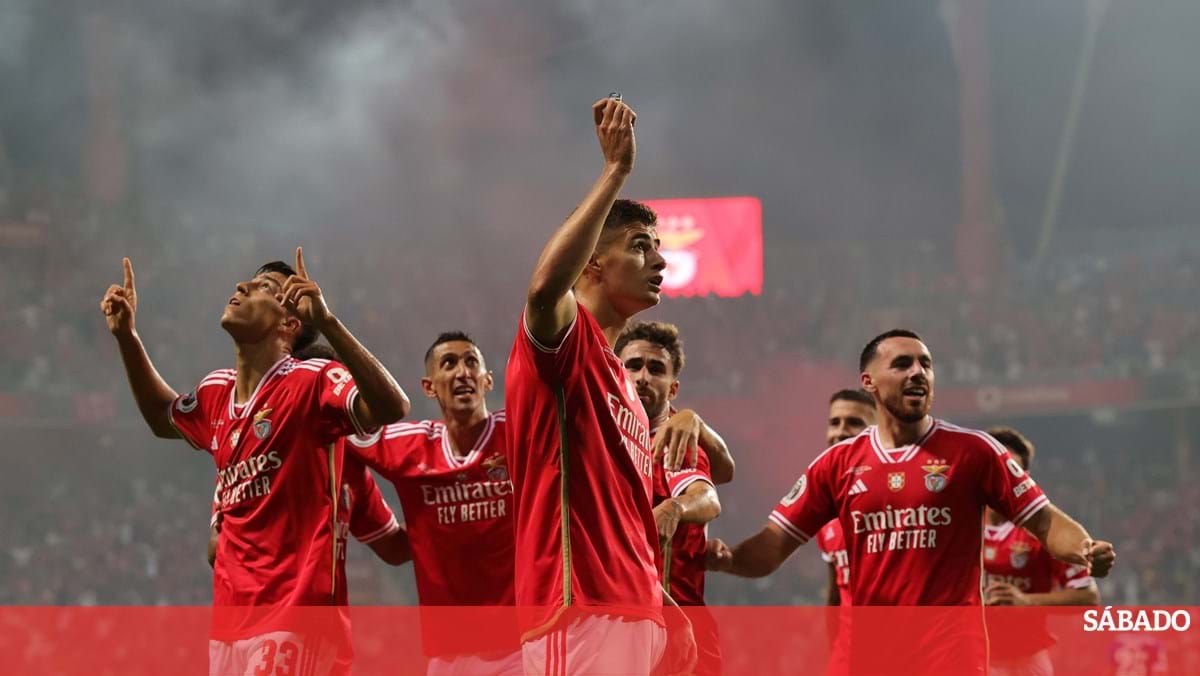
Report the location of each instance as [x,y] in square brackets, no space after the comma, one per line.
[965,439]
[842,450]
[219,378]
[310,368]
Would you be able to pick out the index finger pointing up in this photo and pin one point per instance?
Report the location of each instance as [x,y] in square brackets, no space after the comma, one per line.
[303,273]
[128,273]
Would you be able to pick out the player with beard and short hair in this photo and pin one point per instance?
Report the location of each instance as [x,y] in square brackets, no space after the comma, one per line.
[1019,572]
[272,426]
[910,494]
[452,478]
[685,500]
[579,440]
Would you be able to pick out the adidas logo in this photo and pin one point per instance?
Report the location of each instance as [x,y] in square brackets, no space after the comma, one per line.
[858,487]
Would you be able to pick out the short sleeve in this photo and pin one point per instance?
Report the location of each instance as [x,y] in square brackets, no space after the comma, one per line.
[1007,487]
[370,516]
[679,480]
[553,363]
[809,505]
[336,394]
[823,545]
[1072,576]
[192,414]
[385,449]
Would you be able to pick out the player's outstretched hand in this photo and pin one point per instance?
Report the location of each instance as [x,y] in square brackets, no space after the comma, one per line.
[302,296]
[678,440]
[119,303]
[1100,556]
[718,555]
[614,127]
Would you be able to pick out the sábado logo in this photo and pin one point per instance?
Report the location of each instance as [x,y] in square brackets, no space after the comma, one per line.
[1124,619]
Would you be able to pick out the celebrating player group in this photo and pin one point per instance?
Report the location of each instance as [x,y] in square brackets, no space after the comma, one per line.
[583,504]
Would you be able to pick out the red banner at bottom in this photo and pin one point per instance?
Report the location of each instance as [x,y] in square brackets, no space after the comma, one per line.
[731,640]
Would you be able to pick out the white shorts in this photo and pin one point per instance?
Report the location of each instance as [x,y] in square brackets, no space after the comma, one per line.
[279,653]
[1037,664]
[597,644]
[511,664]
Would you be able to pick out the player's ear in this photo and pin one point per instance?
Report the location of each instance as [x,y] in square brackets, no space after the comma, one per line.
[427,387]
[867,383]
[674,391]
[488,382]
[290,327]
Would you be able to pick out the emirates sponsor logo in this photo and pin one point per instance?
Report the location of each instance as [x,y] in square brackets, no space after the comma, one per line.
[900,529]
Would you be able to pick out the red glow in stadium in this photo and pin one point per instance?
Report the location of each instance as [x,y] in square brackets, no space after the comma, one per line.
[713,246]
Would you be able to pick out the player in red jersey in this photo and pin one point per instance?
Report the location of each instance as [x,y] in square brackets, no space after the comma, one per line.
[1019,572]
[452,478]
[685,500]
[271,426]
[363,514]
[850,412]
[579,439]
[910,495]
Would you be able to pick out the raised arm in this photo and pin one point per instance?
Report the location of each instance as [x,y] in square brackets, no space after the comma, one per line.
[152,394]
[380,400]
[1068,541]
[758,556]
[550,303]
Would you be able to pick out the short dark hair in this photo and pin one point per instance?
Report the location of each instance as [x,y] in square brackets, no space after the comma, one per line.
[317,351]
[858,396]
[447,337]
[872,348]
[623,214]
[1015,442]
[308,332]
[662,334]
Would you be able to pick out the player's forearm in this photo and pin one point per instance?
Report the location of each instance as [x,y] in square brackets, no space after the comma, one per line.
[1062,536]
[720,460]
[832,593]
[699,503]
[572,245]
[756,557]
[151,393]
[384,399]
[393,549]
[1089,596]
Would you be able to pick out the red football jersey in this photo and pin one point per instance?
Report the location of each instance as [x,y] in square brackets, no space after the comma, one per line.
[832,543]
[579,451]
[458,513]
[1013,555]
[279,466]
[913,523]
[684,571]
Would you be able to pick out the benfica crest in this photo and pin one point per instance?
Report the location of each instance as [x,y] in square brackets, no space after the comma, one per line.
[495,468]
[262,425]
[1019,555]
[936,475]
[896,481]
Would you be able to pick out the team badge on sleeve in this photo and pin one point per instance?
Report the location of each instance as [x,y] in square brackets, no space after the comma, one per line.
[188,403]
[797,490]
[896,481]
[935,475]
[1014,468]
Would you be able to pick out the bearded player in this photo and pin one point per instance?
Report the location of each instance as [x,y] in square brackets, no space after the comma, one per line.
[1019,572]
[910,495]
[578,437]
[272,426]
[452,478]
[685,500]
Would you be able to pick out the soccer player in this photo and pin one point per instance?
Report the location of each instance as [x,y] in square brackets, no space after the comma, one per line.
[363,514]
[850,413]
[910,495]
[271,425]
[587,585]
[1019,572]
[452,477]
[685,500]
